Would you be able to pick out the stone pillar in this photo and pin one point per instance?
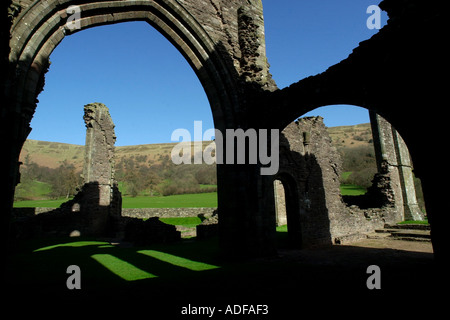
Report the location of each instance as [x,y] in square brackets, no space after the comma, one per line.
[393,160]
[100,189]
[386,157]
[410,205]
[99,150]
[280,203]
[246,198]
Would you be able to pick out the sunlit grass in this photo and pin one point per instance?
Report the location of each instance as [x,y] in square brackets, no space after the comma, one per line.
[414,222]
[352,190]
[121,268]
[76,244]
[196,200]
[178,261]
[102,262]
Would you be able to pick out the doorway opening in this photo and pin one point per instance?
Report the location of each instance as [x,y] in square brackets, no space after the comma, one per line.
[287,212]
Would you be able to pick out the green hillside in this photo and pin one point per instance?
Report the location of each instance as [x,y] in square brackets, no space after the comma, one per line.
[52,154]
[147,177]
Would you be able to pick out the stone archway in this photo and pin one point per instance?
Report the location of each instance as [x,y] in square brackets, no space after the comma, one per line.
[222,41]
[38,30]
[395,74]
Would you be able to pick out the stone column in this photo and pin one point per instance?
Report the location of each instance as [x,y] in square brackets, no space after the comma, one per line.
[393,160]
[280,203]
[100,188]
[410,205]
[99,150]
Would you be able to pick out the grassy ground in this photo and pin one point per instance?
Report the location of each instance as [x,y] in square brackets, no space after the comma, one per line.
[414,222]
[37,189]
[206,200]
[166,278]
[352,190]
[39,203]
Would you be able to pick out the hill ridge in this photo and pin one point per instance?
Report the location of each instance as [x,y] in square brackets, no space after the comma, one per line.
[52,154]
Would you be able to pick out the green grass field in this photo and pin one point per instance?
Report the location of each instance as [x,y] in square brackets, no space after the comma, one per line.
[37,190]
[207,200]
[199,200]
[352,190]
[106,265]
[39,203]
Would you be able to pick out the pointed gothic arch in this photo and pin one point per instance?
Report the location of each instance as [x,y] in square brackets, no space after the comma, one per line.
[40,28]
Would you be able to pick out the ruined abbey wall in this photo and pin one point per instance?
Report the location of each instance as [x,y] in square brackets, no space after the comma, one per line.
[393,74]
[311,165]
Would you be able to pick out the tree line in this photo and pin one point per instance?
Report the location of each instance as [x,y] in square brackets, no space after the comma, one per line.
[163,177]
[63,180]
[362,164]
[135,175]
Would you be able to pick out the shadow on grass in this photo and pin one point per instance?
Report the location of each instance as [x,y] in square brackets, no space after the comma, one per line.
[168,277]
[39,268]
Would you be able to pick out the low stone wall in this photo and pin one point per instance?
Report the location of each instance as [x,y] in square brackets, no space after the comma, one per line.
[354,223]
[29,212]
[133,224]
[143,213]
[147,213]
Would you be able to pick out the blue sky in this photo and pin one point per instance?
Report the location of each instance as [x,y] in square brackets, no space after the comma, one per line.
[151,90]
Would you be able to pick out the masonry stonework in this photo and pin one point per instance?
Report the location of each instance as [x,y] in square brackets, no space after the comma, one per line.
[392,74]
[310,169]
[100,193]
[393,160]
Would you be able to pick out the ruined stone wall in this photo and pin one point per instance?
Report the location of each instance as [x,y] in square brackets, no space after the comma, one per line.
[99,201]
[307,155]
[99,163]
[99,198]
[223,42]
[141,213]
[145,213]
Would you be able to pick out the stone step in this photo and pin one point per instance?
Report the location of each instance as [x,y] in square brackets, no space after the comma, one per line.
[405,232]
[378,235]
[411,233]
[408,226]
[402,232]
[409,238]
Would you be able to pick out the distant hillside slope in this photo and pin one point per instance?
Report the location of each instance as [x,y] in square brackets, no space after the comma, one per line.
[351,136]
[52,154]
